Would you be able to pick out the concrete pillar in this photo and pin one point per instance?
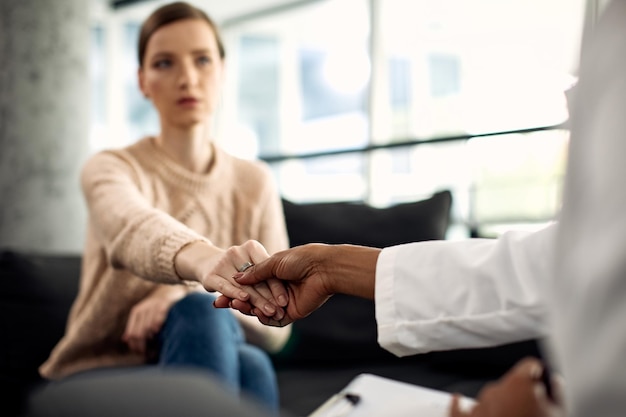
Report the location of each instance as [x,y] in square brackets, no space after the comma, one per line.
[44,123]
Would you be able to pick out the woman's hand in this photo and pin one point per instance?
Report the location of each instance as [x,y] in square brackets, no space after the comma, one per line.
[146,318]
[214,268]
[519,393]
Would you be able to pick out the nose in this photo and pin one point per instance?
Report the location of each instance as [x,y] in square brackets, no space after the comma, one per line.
[188,76]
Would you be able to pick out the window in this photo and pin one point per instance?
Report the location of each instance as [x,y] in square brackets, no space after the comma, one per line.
[302,87]
[473,90]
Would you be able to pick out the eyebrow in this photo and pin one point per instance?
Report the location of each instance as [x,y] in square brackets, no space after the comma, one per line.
[202,51]
[162,54]
[168,54]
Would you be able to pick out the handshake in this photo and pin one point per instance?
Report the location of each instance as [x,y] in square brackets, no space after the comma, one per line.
[295,282]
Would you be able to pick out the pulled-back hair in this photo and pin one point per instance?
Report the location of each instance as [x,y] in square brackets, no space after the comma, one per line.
[170,13]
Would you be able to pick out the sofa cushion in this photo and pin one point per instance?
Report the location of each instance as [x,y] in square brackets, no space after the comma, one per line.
[343,330]
[36,292]
[361,224]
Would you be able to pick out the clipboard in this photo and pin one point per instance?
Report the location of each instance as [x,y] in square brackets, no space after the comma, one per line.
[369,395]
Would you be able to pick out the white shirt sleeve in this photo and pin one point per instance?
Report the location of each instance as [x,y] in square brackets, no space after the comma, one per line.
[440,295]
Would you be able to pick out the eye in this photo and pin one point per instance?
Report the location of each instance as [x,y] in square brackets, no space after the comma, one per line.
[203,60]
[162,63]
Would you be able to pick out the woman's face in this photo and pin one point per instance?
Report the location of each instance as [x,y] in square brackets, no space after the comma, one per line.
[182,72]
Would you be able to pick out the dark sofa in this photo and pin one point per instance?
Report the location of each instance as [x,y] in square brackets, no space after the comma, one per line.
[326,349]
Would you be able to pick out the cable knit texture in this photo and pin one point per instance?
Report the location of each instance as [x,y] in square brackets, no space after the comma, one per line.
[144,208]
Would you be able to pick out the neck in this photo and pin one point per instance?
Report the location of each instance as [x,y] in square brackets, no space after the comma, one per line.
[189,147]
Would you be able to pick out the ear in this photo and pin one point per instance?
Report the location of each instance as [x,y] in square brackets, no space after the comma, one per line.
[142,82]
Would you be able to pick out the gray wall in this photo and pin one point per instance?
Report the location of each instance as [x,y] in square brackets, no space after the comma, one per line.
[44,123]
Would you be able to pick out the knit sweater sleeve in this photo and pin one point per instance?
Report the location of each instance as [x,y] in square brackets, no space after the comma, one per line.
[135,235]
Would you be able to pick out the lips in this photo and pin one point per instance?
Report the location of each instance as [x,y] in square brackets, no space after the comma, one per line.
[187,101]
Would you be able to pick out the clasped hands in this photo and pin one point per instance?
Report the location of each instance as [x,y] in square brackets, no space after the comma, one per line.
[296,275]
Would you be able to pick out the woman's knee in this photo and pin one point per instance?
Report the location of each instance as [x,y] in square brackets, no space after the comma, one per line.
[257,375]
[196,311]
[197,333]
[254,360]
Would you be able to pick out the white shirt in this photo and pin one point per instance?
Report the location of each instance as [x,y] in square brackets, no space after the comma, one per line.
[589,292]
[441,295]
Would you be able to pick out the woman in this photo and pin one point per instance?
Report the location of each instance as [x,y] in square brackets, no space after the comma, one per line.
[160,212]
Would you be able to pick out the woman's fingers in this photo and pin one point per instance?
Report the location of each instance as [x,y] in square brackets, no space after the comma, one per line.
[279,291]
[131,335]
[271,321]
[243,307]
[243,293]
[261,302]
[256,251]
[220,281]
[222,302]
[265,292]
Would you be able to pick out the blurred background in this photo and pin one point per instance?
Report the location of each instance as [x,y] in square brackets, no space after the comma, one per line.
[382,101]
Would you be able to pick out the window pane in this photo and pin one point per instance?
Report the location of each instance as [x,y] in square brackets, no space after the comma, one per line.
[301,86]
[458,66]
[329,178]
[258,79]
[517,178]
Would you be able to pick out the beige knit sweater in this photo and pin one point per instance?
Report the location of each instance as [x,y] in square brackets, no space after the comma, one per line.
[143,208]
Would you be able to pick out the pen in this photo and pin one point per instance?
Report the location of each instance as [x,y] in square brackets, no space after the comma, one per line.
[349,401]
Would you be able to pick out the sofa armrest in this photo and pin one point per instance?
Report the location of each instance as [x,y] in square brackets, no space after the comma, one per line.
[36,293]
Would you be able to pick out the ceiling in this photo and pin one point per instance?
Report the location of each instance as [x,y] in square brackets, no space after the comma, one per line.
[220,10]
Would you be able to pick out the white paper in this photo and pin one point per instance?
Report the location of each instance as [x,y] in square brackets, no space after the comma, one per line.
[381,396]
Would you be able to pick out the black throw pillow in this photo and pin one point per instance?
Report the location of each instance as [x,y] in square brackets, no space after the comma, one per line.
[360,224]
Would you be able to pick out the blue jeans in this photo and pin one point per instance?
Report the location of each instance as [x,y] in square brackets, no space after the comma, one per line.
[196,334]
